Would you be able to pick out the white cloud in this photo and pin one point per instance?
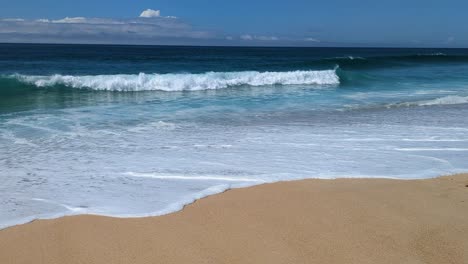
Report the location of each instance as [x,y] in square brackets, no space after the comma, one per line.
[148,13]
[246,37]
[311,40]
[70,20]
[12,20]
[149,28]
[90,30]
[261,38]
[450,40]
[266,38]
[84,20]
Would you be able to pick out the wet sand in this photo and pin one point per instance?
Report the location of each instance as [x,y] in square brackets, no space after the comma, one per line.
[310,221]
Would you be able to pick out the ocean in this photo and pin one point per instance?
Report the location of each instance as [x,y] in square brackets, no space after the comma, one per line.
[132,131]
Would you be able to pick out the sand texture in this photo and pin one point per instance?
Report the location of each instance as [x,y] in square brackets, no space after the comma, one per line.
[347,221]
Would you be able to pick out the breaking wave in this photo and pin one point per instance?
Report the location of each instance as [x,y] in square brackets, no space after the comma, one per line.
[183,81]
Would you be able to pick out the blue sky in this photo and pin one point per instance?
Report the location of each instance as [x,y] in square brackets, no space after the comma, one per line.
[398,23]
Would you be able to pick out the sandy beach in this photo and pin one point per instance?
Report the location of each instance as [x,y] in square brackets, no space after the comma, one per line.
[309,221]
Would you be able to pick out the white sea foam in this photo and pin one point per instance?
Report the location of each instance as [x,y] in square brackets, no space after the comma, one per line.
[184,81]
[136,160]
[351,58]
[72,209]
[432,149]
[194,178]
[433,54]
[171,208]
[184,201]
[446,100]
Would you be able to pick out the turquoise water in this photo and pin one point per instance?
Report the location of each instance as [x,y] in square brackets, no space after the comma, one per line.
[143,130]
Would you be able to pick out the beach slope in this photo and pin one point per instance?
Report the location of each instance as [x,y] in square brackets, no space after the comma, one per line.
[360,221]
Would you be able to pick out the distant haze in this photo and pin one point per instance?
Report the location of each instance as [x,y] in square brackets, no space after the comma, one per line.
[238,23]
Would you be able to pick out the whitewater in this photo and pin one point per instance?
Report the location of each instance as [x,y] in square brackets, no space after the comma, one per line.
[184,82]
[140,131]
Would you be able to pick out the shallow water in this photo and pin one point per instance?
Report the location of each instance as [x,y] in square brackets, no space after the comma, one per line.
[135,131]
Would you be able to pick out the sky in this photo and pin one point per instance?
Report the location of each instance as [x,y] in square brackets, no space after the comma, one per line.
[397,23]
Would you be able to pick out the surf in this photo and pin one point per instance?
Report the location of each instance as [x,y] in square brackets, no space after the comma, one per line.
[182,81]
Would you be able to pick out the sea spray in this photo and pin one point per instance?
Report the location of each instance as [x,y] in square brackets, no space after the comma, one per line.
[184,82]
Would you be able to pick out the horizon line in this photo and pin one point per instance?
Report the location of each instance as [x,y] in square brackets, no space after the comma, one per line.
[228,46]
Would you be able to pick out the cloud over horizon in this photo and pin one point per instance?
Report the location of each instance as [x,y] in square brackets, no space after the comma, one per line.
[261,38]
[149,27]
[237,23]
[150,13]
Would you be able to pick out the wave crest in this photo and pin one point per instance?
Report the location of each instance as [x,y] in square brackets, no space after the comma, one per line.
[184,82]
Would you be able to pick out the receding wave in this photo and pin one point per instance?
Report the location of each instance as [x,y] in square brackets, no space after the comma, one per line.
[446,100]
[183,81]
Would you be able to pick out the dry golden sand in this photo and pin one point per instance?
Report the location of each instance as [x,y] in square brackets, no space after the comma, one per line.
[312,221]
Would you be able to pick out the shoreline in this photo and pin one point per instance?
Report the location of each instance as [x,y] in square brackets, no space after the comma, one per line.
[346,220]
[202,195]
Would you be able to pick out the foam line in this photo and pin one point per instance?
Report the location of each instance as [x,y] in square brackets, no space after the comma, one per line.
[432,149]
[192,178]
[183,81]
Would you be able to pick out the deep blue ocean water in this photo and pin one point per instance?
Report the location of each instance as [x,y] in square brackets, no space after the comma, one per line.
[143,130]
